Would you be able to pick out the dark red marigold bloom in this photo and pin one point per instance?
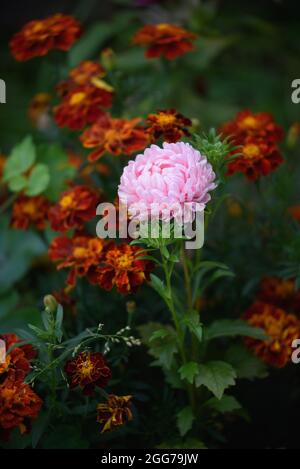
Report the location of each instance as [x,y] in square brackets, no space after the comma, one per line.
[38,37]
[82,105]
[258,158]
[75,207]
[123,268]
[281,329]
[169,124]
[116,136]
[166,40]
[17,362]
[86,73]
[88,370]
[114,412]
[30,211]
[19,404]
[82,254]
[248,124]
[280,292]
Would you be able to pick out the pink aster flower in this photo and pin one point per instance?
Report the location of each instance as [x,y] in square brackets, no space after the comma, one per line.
[164,181]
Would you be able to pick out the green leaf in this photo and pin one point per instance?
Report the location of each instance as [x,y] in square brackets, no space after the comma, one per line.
[185,419]
[21,159]
[159,286]
[216,376]
[232,328]
[90,42]
[38,180]
[163,349]
[160,334]
[223,405]
[17,183]
[247,365]
[38,428]
[189,371]
[192,321]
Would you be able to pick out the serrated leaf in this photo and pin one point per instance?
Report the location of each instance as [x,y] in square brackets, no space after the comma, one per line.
[232,328]
[20,160]
[226,404]
[185,420]
[189,371]
[192,321]
[17,183]
[247,365]
[163,349]
[216,376]
[38,180]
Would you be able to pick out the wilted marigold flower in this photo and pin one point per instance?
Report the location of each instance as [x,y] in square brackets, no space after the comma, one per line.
[169,124]
[280,327]
[280,292]
[123,268]
[258,158]
[30,211]
[82,254]
[75,207]
[88,370]
[38,37]
[19,404]
[17,364]
[38,110]
[114,412]
[163,39]
[82,105]
[116,136]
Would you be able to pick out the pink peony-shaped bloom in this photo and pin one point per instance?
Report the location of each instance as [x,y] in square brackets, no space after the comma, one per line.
[163,182]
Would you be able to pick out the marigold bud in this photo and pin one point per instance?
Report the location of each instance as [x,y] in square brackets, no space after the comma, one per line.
[50,303]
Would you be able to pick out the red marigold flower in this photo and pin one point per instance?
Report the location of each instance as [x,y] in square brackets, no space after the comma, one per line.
[75,207]
[167,40]
[82,254]
[82,105]
[280,292]
[28,211]
[169,124]
[88,370]
[281,329]
[123,268]
[116,136]
[114,412]
[18,404]
[17,362]
[258,158]
[38,37]
[86,73]
[249,124]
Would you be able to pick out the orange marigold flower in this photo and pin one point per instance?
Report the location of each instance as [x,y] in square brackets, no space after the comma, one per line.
[88,370]
[280,292]
[114,412]
[258,158]
[166,40]
[38,37]
[169,124]
[38,111]
[82,254]
[116,136]
[75,207]
[17,362]
[247,124]
[82,105]
[18,405]
[29,211]
[280,327]
[294,212]
[123,268]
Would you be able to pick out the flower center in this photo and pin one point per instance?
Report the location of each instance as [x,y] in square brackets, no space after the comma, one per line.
[86,368]
[124,261]
[165,119]
[29,208]
[249,122]
[251,151]
[77,98]
[66,201]
[80,252]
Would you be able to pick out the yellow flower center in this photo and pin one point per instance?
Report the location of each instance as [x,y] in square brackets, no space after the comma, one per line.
[249,122]
[251,151]
[29,208]
[77,98]
[86,368]
[124,261]
[66,201]
[79,252]
[166,119]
